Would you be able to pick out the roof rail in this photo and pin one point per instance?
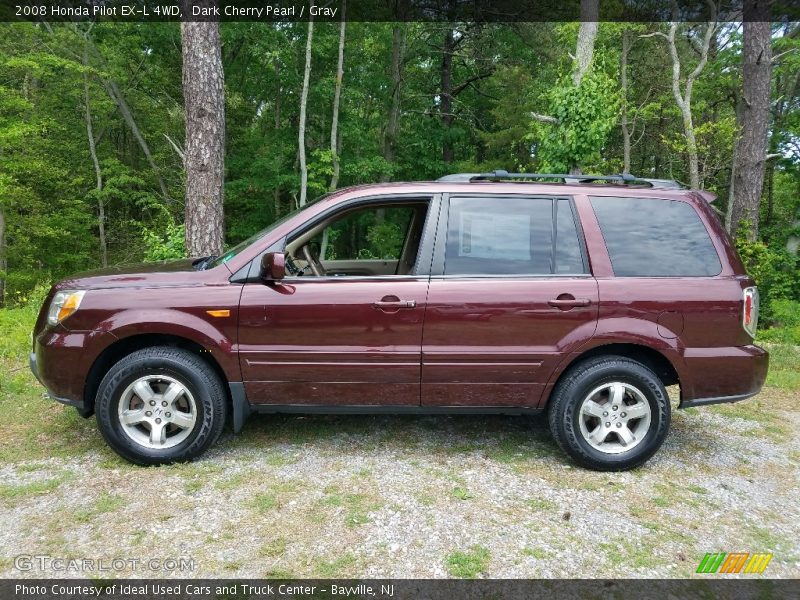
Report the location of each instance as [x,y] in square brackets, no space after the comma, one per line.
[623,178]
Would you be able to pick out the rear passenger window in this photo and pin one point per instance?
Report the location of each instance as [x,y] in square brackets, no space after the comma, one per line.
[655,238]
[512,236]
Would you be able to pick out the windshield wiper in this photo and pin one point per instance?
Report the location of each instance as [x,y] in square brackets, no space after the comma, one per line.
[201,264]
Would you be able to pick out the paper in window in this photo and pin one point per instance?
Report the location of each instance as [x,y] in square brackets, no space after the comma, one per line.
[491,236]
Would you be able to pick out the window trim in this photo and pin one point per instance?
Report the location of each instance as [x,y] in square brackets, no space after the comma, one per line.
[439,253]
[697,214]
[421,269]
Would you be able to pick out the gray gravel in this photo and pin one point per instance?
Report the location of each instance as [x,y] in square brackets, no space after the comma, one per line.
[401,496]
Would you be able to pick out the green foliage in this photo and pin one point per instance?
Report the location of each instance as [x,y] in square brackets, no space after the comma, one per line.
[165,245]
[586,114]
[786,320]
[775,271]
[367,234]
[386,240]
[469,564]
[499,75]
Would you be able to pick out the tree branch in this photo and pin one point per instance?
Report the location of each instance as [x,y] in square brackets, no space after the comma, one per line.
[544,118]
[457,90]
[177,148]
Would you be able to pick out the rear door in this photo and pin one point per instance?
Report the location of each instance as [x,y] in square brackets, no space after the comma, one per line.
[510,290]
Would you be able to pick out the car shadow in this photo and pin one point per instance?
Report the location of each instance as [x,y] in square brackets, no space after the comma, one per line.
[500,436]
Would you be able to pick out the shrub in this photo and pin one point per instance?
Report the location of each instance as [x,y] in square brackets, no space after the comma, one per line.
[786,320]
[165,245]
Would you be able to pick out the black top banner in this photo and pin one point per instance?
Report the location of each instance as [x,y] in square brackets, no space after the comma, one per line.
[397,10]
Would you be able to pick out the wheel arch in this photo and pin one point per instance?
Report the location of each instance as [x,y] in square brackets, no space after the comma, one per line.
[649,357]
[128,345]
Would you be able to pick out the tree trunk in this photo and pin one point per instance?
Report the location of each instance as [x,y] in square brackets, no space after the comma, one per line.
[584,51]
[101,211]
[683,97]
[587,34]
[770,182]
[301,135]
[623,84]
[732,187]
[337,94]
[749,176]
[446,91]
[393,122]
[691,146]
[204,97]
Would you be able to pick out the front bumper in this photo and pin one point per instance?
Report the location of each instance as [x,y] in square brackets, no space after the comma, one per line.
[61,361]
[80,405]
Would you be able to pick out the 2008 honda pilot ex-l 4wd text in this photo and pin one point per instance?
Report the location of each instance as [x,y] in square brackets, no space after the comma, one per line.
[496,293]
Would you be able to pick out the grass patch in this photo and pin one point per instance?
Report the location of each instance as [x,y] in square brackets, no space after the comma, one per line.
[461,493]
[541,504]
[34,427]
[274,497]
[274,548]
[264,502]
[518,447]
[16,493]
[536,553]
[784,366]
[232,482]
[631,554]
[276,459]
[279,574]
[469,564]
[105,503]
[356,506]
[335,568]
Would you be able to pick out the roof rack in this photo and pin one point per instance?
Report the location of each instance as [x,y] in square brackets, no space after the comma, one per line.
[623,178]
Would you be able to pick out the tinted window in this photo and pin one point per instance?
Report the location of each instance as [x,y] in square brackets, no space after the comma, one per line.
[655,238]
[568,256]
[511,236]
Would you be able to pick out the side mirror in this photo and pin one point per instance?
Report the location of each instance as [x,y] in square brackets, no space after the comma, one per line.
[273,266]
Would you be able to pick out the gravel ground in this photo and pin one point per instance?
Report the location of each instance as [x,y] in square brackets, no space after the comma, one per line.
[331,496]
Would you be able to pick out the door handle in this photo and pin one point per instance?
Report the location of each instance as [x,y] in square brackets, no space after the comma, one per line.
[393,303]
[567,303]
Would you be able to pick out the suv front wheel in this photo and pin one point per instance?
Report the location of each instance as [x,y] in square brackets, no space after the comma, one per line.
[609,413]
[160,405]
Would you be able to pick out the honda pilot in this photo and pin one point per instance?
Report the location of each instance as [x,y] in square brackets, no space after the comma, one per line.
[576,296]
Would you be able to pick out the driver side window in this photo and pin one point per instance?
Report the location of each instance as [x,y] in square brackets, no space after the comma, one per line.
[374,240]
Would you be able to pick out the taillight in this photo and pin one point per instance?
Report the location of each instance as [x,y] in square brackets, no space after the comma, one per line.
[750,315]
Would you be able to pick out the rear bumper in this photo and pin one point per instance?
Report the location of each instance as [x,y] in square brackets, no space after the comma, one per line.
[720,375]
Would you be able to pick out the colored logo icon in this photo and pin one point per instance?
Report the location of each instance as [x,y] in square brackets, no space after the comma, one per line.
[734,562]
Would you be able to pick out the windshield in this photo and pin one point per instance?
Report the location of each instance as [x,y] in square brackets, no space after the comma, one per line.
[221,260]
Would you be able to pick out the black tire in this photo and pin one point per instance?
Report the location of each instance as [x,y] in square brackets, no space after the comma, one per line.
[573,388]
[186,368]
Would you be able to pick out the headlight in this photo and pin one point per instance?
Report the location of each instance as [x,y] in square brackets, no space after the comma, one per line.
[63,305]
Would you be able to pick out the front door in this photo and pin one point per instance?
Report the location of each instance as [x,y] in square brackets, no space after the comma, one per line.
[345,326]
[510,290]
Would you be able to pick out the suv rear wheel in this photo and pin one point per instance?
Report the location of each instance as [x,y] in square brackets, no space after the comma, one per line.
[160,405]
[609,413]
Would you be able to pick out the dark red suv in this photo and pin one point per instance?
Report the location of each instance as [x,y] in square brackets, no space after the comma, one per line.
[494,293]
